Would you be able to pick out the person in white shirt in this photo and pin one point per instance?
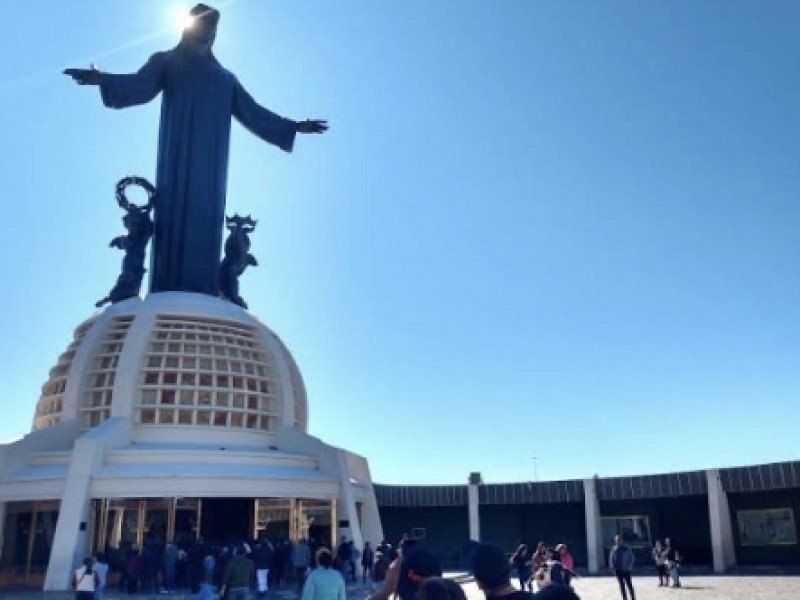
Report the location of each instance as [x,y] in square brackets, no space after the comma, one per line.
[660,558]
[84,581]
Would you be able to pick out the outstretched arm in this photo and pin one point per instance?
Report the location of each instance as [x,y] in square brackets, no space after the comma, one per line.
[267,125]
[121,91]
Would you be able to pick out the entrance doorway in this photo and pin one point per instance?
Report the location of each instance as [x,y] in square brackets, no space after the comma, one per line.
[226,519]
[27,538]
[118,521]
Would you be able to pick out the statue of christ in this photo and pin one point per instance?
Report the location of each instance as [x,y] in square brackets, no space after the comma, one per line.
[198,98]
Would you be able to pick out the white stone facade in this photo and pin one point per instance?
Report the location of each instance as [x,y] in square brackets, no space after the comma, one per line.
[176,396]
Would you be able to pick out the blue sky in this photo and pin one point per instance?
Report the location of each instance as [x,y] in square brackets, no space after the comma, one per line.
[564,229]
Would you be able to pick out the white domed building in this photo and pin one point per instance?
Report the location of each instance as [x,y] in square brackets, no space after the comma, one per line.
[171,418]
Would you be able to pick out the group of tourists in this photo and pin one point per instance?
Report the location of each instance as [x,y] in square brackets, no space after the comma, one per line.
[196,566]
[406,571]
[667,560]
[544,565]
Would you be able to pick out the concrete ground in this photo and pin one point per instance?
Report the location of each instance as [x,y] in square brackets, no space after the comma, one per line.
[700,587]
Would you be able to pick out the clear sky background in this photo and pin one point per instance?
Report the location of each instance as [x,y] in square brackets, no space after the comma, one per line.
[563,229]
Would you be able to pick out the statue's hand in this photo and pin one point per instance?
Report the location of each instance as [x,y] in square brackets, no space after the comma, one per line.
[311,126]
[118,242]
[84,76]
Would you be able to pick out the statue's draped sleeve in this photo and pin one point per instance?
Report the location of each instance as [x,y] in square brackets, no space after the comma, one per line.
[121,91]
[261,122]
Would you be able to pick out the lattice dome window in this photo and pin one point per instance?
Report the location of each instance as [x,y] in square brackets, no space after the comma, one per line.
[50,406]
[209,373]
[99,384]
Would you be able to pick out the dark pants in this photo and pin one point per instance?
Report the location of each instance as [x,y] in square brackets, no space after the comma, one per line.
[624,579]
[524,575]
[663,577]
[169,575]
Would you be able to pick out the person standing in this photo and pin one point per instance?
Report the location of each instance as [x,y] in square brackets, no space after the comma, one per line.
[170,564]
[621,562]
[324,583]
[85,581]
[379,569]
[133,570]
[537,563]
[238,576]
[565,558]
[262,557]
[343,555]
[101,568]
[367,560]
[673,562]
[301,559]
[660,558]
[207,584]
[520,560]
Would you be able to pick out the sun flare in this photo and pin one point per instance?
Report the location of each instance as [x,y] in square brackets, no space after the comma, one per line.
[181,18]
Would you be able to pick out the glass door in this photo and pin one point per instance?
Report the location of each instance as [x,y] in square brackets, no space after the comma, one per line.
[28,534]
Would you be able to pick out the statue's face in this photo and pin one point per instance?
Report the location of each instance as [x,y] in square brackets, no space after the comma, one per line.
[201,33]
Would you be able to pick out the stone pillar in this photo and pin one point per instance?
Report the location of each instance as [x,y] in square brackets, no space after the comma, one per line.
[719,514]
[473,506]
[594,531]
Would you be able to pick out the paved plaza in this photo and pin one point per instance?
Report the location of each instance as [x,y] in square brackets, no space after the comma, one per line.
[694,588]
[779,587]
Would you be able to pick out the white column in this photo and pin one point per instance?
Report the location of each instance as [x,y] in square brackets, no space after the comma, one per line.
[347,503]
[594,537]
[719,515]
[69,541]
[473,505]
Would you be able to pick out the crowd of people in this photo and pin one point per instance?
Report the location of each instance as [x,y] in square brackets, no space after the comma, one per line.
[407,571]
[197,566]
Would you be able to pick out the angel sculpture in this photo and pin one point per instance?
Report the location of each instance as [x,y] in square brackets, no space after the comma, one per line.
[140,227]
[237,257]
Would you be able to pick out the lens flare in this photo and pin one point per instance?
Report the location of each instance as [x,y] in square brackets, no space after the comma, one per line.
[181,18]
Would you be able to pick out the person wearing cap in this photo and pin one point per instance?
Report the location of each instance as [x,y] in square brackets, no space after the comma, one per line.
[407,572]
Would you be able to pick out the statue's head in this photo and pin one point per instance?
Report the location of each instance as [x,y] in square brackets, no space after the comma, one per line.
[203,28]
[237,223]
